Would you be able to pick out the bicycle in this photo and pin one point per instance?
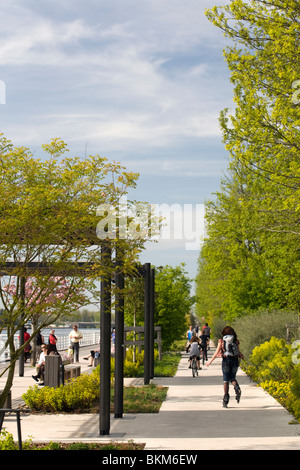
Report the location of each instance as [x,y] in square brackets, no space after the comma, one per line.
[194,366]
[204,354]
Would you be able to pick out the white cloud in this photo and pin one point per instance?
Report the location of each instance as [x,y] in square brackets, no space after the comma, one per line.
[116,74]
[139,79]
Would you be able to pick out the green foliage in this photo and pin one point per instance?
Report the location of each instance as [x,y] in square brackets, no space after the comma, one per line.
[81,394]
[272,360]
[7,441]
[144,399]
[168,365]
[253,330]
[76,395]
[133,369]
[250,259]
[50,212]
[295,387]
[173,302]
[134,301]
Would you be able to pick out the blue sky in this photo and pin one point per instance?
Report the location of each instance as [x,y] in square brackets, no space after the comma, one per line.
[139,81]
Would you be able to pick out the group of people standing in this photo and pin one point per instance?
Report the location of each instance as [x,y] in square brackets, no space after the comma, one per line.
[228,349]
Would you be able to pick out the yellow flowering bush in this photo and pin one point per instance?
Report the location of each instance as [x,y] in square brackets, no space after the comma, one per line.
[271,360]
[278,390]
[272,367]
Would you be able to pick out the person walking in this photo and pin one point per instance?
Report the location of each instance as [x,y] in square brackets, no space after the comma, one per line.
[39,341]
[228,349]
[75,336]
[27,348]
[53,340]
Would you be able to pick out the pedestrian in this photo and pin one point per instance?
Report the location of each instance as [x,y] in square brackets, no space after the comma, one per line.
[27,348]
[206,330]
[228,349]
[189,335]
[53,339]
[75,336]
[39,341]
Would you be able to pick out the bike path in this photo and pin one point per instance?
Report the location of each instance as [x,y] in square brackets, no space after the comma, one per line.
[191,418]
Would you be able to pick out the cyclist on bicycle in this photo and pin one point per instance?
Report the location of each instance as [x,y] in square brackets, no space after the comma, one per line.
[204,342]
[194,351]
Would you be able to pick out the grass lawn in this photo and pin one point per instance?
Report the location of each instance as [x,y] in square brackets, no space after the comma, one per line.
[143,399]
[167,367]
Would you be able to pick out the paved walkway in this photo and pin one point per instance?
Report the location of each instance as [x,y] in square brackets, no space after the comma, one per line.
[191,418]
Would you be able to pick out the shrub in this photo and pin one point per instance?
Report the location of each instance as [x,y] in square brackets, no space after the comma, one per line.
[295,387]
[272,367]
[253,330]
[7,441]
[272,360]
[77,394]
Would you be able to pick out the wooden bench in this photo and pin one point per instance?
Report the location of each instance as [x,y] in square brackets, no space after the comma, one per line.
[57,371]
[71,371]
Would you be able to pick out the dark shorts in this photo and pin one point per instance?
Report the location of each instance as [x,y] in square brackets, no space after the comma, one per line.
[230,366]
[197,357]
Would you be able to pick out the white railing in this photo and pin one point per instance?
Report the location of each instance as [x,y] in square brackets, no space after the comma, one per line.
[63,342]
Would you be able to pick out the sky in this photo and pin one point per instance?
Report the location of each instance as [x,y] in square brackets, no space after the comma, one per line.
[141,82]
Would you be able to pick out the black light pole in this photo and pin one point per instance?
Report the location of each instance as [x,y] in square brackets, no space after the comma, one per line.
[152,309]
[147,270]
[119,345]
[105,341]
[22,329]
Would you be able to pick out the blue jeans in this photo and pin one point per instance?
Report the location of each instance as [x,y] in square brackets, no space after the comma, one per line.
[230,366]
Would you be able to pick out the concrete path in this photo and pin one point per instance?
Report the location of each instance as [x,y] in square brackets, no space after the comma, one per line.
[191,418]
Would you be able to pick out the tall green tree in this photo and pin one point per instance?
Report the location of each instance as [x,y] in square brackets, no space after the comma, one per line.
[173,302]
[251,256]
[262,134]
[49,215]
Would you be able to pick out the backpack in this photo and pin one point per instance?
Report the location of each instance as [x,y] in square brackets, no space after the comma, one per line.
[206,331]
[229,346]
